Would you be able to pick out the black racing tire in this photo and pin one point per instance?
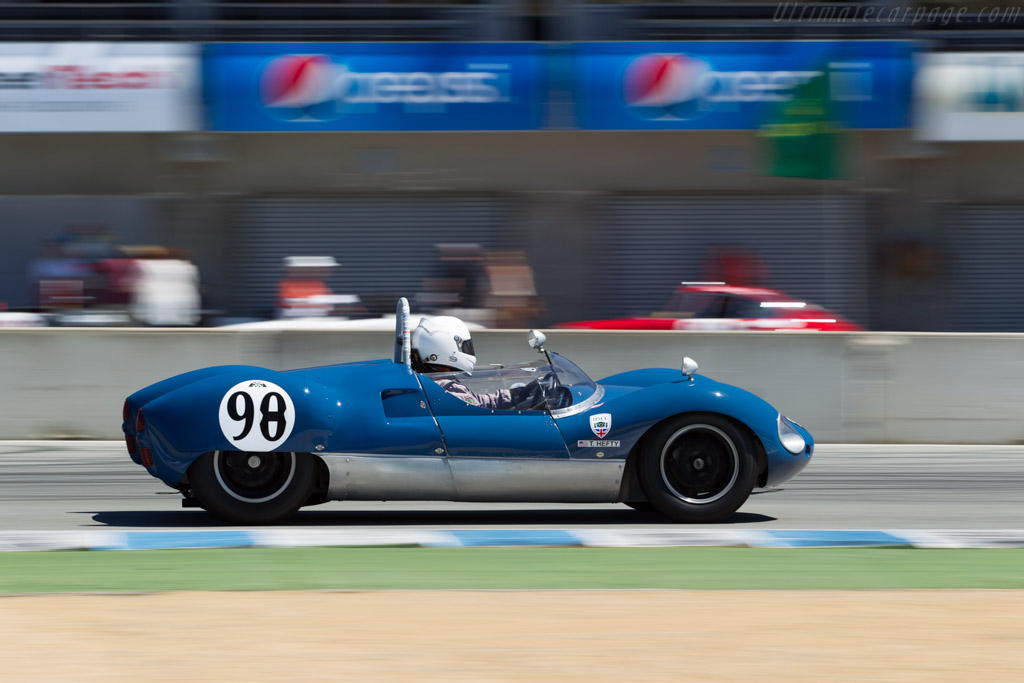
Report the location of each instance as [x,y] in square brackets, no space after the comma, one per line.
[643,506]
[252,488]
[697,468]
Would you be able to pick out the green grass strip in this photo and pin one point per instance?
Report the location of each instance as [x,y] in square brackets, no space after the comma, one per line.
[509,568]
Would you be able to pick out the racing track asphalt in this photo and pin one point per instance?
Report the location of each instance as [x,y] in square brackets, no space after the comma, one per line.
[91,485]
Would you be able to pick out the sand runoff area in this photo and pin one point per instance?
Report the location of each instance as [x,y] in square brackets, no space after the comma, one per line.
[586,635]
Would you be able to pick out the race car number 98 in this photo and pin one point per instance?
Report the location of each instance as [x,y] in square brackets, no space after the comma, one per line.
[256,415]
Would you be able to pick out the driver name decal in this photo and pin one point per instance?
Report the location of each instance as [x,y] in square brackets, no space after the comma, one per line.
[582,443]
[601,424]
[256,415]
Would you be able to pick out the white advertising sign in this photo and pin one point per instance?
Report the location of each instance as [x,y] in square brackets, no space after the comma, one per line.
[970,96]
[98,87]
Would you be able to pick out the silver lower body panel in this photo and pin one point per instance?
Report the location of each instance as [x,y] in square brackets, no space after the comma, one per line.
[478,480]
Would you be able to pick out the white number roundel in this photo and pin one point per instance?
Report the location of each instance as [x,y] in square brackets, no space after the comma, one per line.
[256,415]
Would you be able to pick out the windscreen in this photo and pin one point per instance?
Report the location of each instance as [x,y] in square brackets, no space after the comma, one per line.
[554,380]
[489,379]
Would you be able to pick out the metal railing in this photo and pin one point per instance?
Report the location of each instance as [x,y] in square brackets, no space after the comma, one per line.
[970,26]
[225,20]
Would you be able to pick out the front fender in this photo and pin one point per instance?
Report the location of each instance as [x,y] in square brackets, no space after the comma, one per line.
[636,407]
[706,395]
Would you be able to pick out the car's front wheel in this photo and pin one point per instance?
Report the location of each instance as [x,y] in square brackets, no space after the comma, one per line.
[252,488]
[697,468]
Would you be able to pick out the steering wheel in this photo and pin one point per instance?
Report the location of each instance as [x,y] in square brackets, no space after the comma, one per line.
[549,383]
[557,395]
[562,398]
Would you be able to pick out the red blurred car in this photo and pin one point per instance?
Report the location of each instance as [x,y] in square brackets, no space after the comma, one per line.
[717,306]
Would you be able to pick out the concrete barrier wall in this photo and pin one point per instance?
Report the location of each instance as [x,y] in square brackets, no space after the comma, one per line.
[859,388]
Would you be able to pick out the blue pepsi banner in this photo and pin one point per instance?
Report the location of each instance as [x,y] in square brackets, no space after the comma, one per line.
[373,86]
[721,85]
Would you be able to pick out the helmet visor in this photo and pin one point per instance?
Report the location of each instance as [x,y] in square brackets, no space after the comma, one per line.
[466,346]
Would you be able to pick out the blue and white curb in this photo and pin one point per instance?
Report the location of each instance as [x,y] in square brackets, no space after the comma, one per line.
[283,537]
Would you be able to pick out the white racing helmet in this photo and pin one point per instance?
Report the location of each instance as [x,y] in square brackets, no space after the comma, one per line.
[444,340]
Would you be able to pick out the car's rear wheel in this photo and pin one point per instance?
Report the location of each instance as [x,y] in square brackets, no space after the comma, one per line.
[697,468]
[252,488]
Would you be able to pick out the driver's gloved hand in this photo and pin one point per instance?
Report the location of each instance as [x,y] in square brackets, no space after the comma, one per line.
[528,397]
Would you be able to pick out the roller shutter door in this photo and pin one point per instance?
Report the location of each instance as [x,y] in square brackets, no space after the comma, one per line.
[985,250]
[812,247]
[386,245]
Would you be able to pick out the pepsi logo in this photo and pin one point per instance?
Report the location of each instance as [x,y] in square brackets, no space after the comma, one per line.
[316,88]
[665,86]
[298,85]
[678,87]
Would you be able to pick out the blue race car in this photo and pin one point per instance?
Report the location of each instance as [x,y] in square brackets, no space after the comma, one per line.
[252,445]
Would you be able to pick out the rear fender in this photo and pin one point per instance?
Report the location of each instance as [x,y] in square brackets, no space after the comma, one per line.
[193,419]
[330,409]
[144,396]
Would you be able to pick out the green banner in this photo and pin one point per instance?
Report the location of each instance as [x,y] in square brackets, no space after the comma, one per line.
[800,135]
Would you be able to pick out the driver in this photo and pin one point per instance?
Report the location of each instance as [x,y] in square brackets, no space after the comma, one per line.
[443,344]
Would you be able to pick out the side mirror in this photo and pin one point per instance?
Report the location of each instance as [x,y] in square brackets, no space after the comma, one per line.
[689,367]
[536,339]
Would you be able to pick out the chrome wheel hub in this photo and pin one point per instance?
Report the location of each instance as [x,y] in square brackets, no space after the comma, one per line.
[699,464]
[252,477]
